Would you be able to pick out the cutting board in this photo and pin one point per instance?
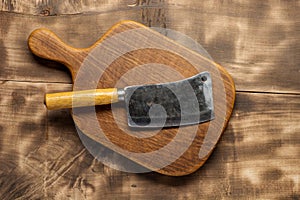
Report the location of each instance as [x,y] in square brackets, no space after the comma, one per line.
[132,54]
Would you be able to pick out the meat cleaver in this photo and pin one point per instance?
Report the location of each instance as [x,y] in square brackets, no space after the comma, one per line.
[156,105]
[188,101]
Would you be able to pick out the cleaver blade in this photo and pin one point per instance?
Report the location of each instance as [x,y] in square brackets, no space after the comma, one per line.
[185,102]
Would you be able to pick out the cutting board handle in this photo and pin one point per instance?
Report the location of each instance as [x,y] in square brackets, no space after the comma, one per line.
[46,44]
[162,152]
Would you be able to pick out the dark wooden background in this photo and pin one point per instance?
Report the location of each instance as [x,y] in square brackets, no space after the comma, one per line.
[41,156]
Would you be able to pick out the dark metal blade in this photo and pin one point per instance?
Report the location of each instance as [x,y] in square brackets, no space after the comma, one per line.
[184,102]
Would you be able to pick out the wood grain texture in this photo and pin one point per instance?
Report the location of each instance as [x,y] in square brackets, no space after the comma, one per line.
[258,39]
[53,7]
[42,157]
[258,155]
[156,49]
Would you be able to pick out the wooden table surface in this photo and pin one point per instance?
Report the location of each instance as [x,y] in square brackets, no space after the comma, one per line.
[41,155]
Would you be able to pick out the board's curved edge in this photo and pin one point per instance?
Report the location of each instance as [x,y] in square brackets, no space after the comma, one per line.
[228,115]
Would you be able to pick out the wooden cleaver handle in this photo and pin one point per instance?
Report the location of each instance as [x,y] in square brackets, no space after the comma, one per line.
[81,98]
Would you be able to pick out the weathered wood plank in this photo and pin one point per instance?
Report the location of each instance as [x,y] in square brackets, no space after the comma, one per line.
[41,155]
[258,156]
[54,7]
[257,42]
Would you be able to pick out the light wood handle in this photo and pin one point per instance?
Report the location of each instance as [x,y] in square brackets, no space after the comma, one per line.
[81,98]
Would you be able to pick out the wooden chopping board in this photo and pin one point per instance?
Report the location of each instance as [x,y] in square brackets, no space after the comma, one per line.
[132,54]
